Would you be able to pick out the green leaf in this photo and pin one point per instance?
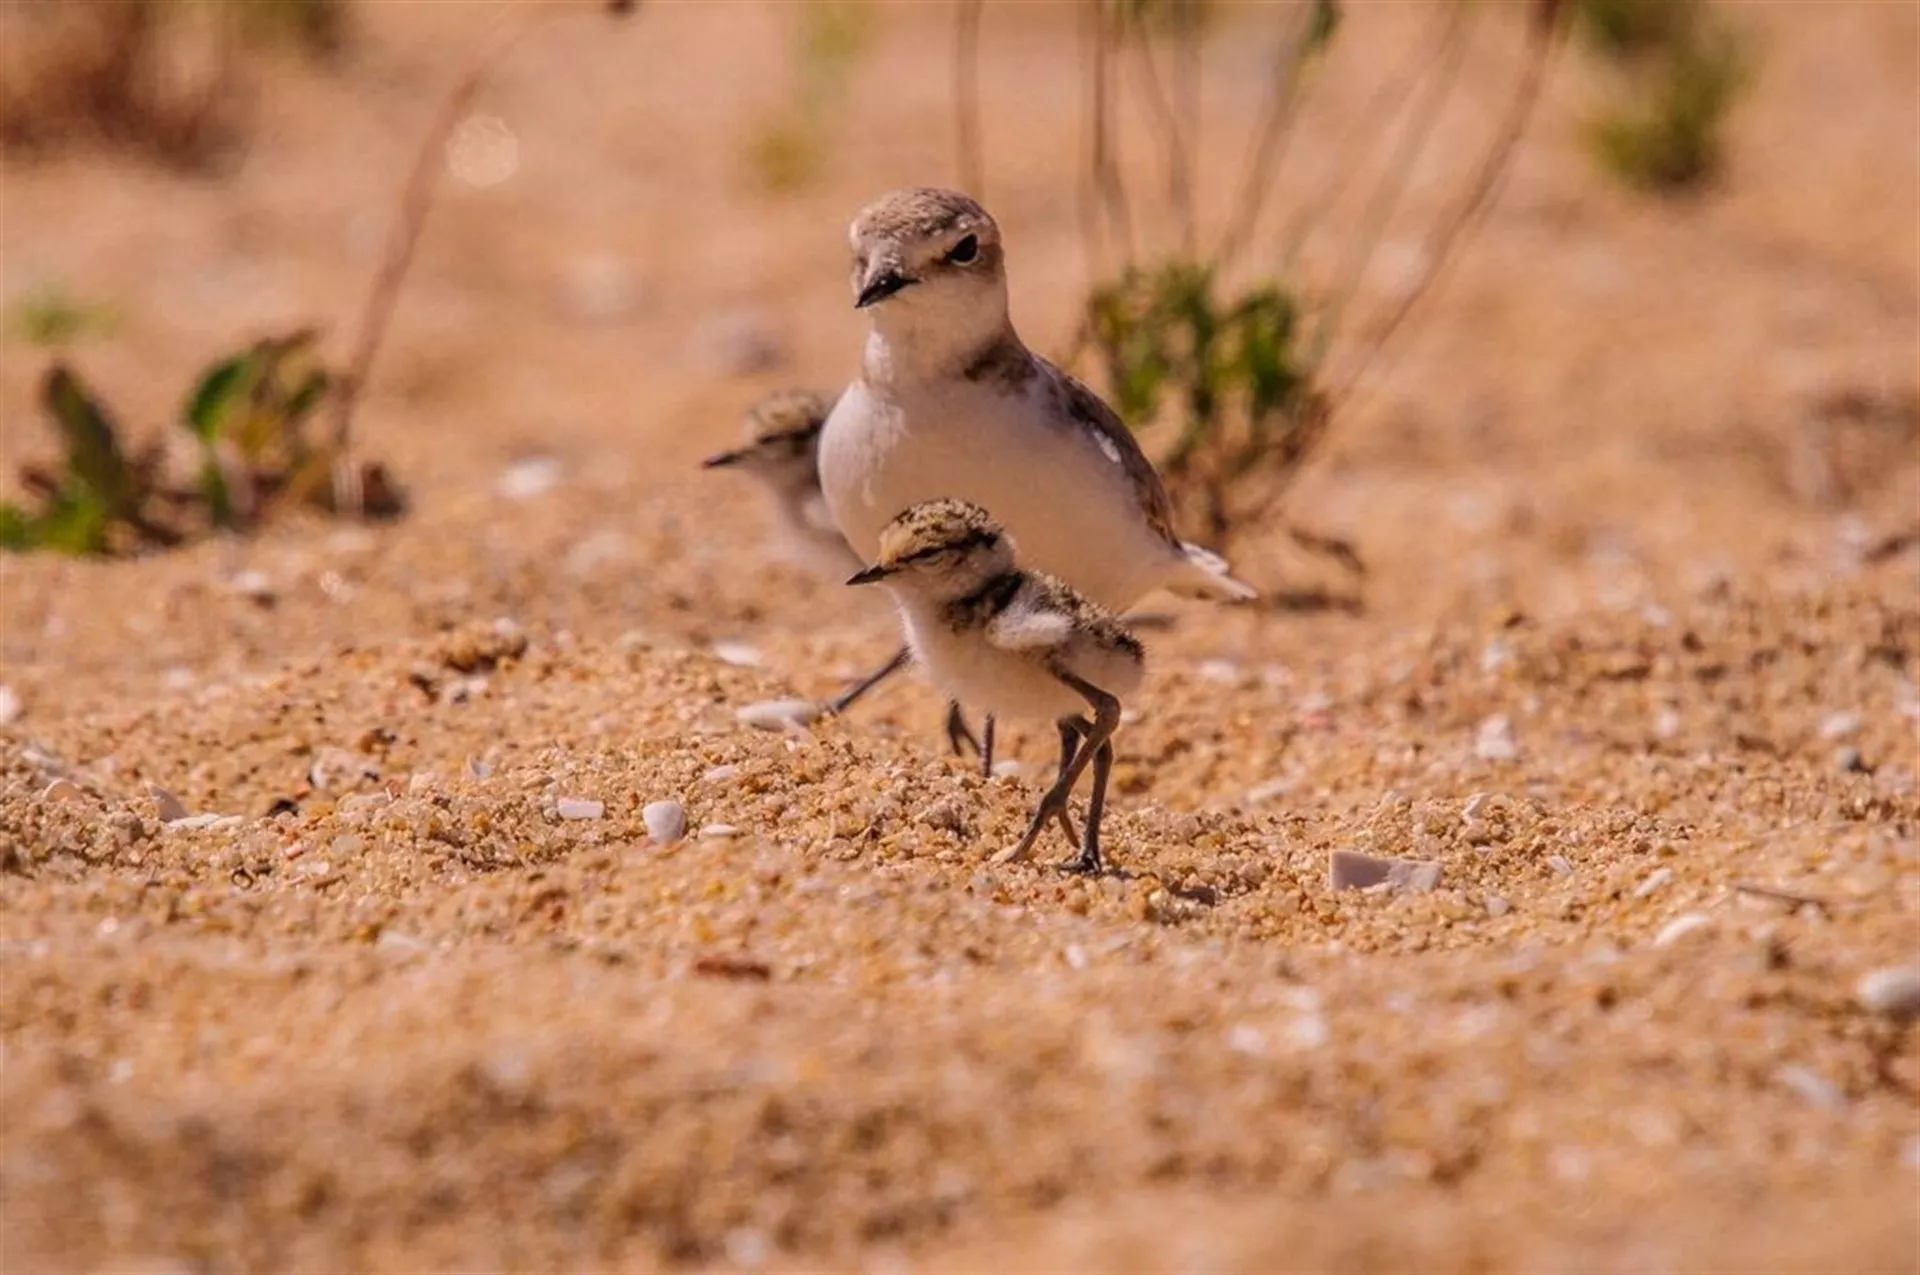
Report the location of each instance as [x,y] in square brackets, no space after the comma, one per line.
[213,398]
[93,449]
[1326,20]
[17,532]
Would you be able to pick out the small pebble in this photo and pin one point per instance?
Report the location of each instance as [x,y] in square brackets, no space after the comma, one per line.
[61,790]
[579,808]
[1680,927]
[1848,761]
[1840,726]
[253,586]
[718,832]
[1655,880]
[165,804]
[1894,992]
[477,769]
[193,823]
[720,774]
[780,714]
[1351,870]
[666,821]
[1497,906]
[525,479]
[1812,1086]
[1559,864]
[738,654]
[9,706]
[1495,741]
[1009,768]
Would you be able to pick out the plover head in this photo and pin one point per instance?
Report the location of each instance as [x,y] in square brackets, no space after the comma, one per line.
[943,549]
[782,438]
[926,259]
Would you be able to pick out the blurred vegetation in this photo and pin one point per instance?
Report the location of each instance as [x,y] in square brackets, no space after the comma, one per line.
[249,420]
[48,315]
[1682,73]
[790,151]
[1228,368]
[161,78]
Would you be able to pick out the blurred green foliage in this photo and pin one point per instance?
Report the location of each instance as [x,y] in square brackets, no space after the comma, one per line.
[50,316]
[250,418]
[788,152]
[1683,72]
[1230,369]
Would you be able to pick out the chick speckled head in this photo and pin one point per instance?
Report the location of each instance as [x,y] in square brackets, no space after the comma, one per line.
[941,545]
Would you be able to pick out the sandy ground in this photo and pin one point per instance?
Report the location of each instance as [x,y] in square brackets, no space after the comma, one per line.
[1624,664]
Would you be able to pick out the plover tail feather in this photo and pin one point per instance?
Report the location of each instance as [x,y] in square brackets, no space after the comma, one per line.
[1204,574]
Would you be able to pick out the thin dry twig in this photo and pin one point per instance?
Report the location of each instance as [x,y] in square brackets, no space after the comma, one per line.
[1421,120]
[1179,178]
[416,200]
[1782,895]
[1445,238]
[1382,106]
[966,97]
[1106,164]
[1271,136]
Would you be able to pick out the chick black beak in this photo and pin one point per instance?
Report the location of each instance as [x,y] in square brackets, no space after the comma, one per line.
[723,460]
[870,576]
[882,286]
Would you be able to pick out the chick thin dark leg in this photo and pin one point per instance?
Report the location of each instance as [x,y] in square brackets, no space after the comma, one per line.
[1054,805]
[986,747]
[901,658]
[1097,747]
[1089,861]
[959,734]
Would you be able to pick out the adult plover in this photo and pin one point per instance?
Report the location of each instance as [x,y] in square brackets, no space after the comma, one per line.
[951,403]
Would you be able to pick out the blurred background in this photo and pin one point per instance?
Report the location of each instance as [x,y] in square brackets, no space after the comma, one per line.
[1604,272]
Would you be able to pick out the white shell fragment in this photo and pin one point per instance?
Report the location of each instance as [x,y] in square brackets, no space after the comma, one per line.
[1495,741]
[579,808]
[738,654]
[165,804]
[666,821]
[61,790]
[1680,927]
[1351,870]
[780,714]
[1894,992]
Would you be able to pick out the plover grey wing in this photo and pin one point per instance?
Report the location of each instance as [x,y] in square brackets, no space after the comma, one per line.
[1206,574]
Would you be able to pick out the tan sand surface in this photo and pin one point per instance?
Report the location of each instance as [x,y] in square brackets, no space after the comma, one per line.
[1620,665]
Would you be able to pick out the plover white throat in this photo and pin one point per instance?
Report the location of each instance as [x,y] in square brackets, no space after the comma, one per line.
[780,452]
[1015,643]
[951,403]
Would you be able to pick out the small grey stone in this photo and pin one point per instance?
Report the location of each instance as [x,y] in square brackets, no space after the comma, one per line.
[779,714]
[1351,870]
[1655,880]
[1495,741]
[666,821]
[579,808]
[1894,991]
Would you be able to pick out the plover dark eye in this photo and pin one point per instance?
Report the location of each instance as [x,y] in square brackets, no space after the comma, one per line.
[964,252]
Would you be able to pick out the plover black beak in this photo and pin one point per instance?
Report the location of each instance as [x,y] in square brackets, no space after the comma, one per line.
[723,460]
[872,575]
[881,284]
